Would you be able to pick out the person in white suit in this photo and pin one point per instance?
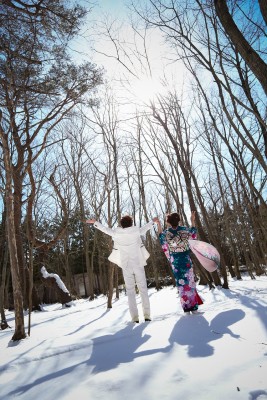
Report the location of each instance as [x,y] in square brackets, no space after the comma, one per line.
[130,254]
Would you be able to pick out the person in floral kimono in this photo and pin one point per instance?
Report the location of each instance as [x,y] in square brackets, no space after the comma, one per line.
[174,242]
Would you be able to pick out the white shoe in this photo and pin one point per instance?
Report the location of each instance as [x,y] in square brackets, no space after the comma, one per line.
[197,312]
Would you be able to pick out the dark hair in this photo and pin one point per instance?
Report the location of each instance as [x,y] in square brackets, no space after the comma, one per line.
[126,221]
[173,219]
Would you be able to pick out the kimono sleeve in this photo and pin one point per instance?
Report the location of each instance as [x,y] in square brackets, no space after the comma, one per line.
[164,245]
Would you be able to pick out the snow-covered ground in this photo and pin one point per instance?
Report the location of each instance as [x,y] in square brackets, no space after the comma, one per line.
[88,352]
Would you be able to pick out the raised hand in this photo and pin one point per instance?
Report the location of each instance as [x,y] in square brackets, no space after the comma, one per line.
[157,221]
[90,221]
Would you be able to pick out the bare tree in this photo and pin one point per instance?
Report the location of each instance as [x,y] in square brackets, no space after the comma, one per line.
[249,55]
[12,246]
[76,158]
[196,37]
[36,75]
[3,269]
[108,125]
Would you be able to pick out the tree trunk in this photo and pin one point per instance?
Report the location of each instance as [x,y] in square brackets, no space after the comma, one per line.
[249,55]
[263,8]
[4,262]
[19,239]
[89,265]
[69,275]
[12,246]
[111,265]
[30,286]
[143,204]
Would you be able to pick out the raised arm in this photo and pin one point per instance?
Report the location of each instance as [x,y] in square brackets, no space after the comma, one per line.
[193,229]
[148,226]
[164,243]
[102,228]
[157,221]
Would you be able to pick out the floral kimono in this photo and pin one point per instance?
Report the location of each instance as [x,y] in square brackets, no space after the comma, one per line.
[174,243]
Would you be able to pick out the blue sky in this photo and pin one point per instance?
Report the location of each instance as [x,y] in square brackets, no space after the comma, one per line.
[115,7]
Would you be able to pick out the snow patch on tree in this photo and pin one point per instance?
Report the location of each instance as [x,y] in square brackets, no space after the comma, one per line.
[54,281]
[57,278]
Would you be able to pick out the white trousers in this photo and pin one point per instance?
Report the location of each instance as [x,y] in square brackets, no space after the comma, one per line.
[131,277]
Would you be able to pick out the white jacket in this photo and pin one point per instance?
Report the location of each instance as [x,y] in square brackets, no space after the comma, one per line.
[127,244]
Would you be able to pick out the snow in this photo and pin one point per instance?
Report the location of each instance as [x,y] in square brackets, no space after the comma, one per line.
[89,352]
